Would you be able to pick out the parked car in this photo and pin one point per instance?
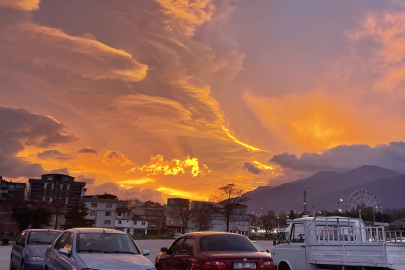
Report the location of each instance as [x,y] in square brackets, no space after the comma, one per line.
[95,248]
[29,248]
[177,235]
[212,250]
[260,248]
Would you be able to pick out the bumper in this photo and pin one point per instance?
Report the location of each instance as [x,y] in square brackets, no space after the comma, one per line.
[33,265]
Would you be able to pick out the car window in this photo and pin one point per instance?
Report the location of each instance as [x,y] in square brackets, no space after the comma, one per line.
[226,242]
[42,237]
[187,248]
[175,248]
[298,233]
[61,241]
[259,247]
[105,243]
[69,242]
[21,238]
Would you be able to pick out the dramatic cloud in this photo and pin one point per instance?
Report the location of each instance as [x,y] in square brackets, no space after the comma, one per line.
[88,179]
[88,150]
[53,154]
[251,168]
[27,5]
[346,157]
[18,129]
[173,167]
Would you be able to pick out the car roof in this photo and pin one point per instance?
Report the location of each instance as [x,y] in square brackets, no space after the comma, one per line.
[43,230]
[95,230]
[210,233]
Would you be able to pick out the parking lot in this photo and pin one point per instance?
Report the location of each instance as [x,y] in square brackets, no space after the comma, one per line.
[152,245]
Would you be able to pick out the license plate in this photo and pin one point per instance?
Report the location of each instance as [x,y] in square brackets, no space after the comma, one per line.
[237,265]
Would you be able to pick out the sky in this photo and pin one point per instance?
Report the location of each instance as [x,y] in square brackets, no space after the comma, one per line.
[152,99]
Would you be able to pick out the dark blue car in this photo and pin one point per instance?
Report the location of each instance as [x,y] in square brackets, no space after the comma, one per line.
[29,248]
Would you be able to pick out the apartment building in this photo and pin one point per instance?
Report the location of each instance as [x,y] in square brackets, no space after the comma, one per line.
[130,223]
[53,187]
[176,210]
[10,190]
[102,211]
[154,214]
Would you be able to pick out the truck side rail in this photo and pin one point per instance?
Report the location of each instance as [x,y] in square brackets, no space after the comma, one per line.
[355,235]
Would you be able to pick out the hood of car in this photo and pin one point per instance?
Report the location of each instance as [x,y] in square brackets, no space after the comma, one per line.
[115,261]
[37,250]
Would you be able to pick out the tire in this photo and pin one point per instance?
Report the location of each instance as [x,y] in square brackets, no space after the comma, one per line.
[284,266]
[11,267]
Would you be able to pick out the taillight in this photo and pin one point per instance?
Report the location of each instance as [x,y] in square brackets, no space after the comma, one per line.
[214,265]
[268,265]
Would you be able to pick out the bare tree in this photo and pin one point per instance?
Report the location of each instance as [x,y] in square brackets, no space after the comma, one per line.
[267,221]
[203,218]
[185,214]
[133,202]
[229,197]
[59,209]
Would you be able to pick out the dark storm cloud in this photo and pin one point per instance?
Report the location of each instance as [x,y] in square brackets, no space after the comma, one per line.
[251,168]
[88,150]
[53,154]
[87,179]
[346,157]
[64,171]
[57,139]
[18,128]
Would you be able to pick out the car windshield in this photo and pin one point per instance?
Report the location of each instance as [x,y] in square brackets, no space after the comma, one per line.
[259,247]
[42,238]
[105,243]
[226,242]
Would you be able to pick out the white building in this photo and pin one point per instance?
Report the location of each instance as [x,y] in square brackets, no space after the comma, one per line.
[102,211]
[129,223]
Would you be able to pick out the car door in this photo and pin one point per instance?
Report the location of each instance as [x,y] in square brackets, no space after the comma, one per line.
[167,260]
[54,254]
[182,260]
[297,247]
[65,262]
[18,249]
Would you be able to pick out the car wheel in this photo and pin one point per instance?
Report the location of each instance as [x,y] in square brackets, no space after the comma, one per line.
[284,266]
[11,264]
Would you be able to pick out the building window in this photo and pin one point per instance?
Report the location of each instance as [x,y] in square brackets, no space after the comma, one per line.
[107,214]
[119,222]
[93,213]
[93,204]
[106,222]
[68,186]
[143,222]
[49,178]
[109,205]
[119,214]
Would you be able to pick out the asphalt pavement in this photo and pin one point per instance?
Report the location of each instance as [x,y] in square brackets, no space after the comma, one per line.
[152,245]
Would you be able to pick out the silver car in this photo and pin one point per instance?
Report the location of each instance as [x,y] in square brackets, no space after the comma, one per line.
[95,248]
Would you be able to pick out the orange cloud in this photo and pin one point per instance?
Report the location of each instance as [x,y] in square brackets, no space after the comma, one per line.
[159,166]
[84,56]
[309,121]
[388,29]
[189,13]
[27,5]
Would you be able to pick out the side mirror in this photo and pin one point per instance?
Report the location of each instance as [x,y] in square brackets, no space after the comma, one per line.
[268,251]
[145,252]
[64,251]
[274,243]
[163,249]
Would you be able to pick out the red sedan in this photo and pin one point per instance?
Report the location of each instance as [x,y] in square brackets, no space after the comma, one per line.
[213,250]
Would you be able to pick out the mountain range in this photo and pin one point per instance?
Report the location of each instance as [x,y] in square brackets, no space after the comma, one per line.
[325,189]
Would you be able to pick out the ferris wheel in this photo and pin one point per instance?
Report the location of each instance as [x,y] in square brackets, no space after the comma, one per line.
[363,198]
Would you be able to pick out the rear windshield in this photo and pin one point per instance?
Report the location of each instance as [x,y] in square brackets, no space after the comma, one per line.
[42,238]
[105,243]
[226,242]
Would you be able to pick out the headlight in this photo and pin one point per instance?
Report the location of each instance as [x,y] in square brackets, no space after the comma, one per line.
[36,259]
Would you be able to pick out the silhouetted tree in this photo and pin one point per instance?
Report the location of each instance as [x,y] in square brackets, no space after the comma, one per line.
[267,221]
[76,217]
[34,217]
[203,218]
[228,197]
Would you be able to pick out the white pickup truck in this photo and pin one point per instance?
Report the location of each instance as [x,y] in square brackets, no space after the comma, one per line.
[338,243]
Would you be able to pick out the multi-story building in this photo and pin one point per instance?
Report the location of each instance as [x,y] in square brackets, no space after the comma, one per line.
[12,190]
[102,211]
[130,223]
[53,187]
[177,212]
[154,214]
[7,223]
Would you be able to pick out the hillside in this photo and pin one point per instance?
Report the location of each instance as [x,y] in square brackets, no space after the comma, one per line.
[324,189]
